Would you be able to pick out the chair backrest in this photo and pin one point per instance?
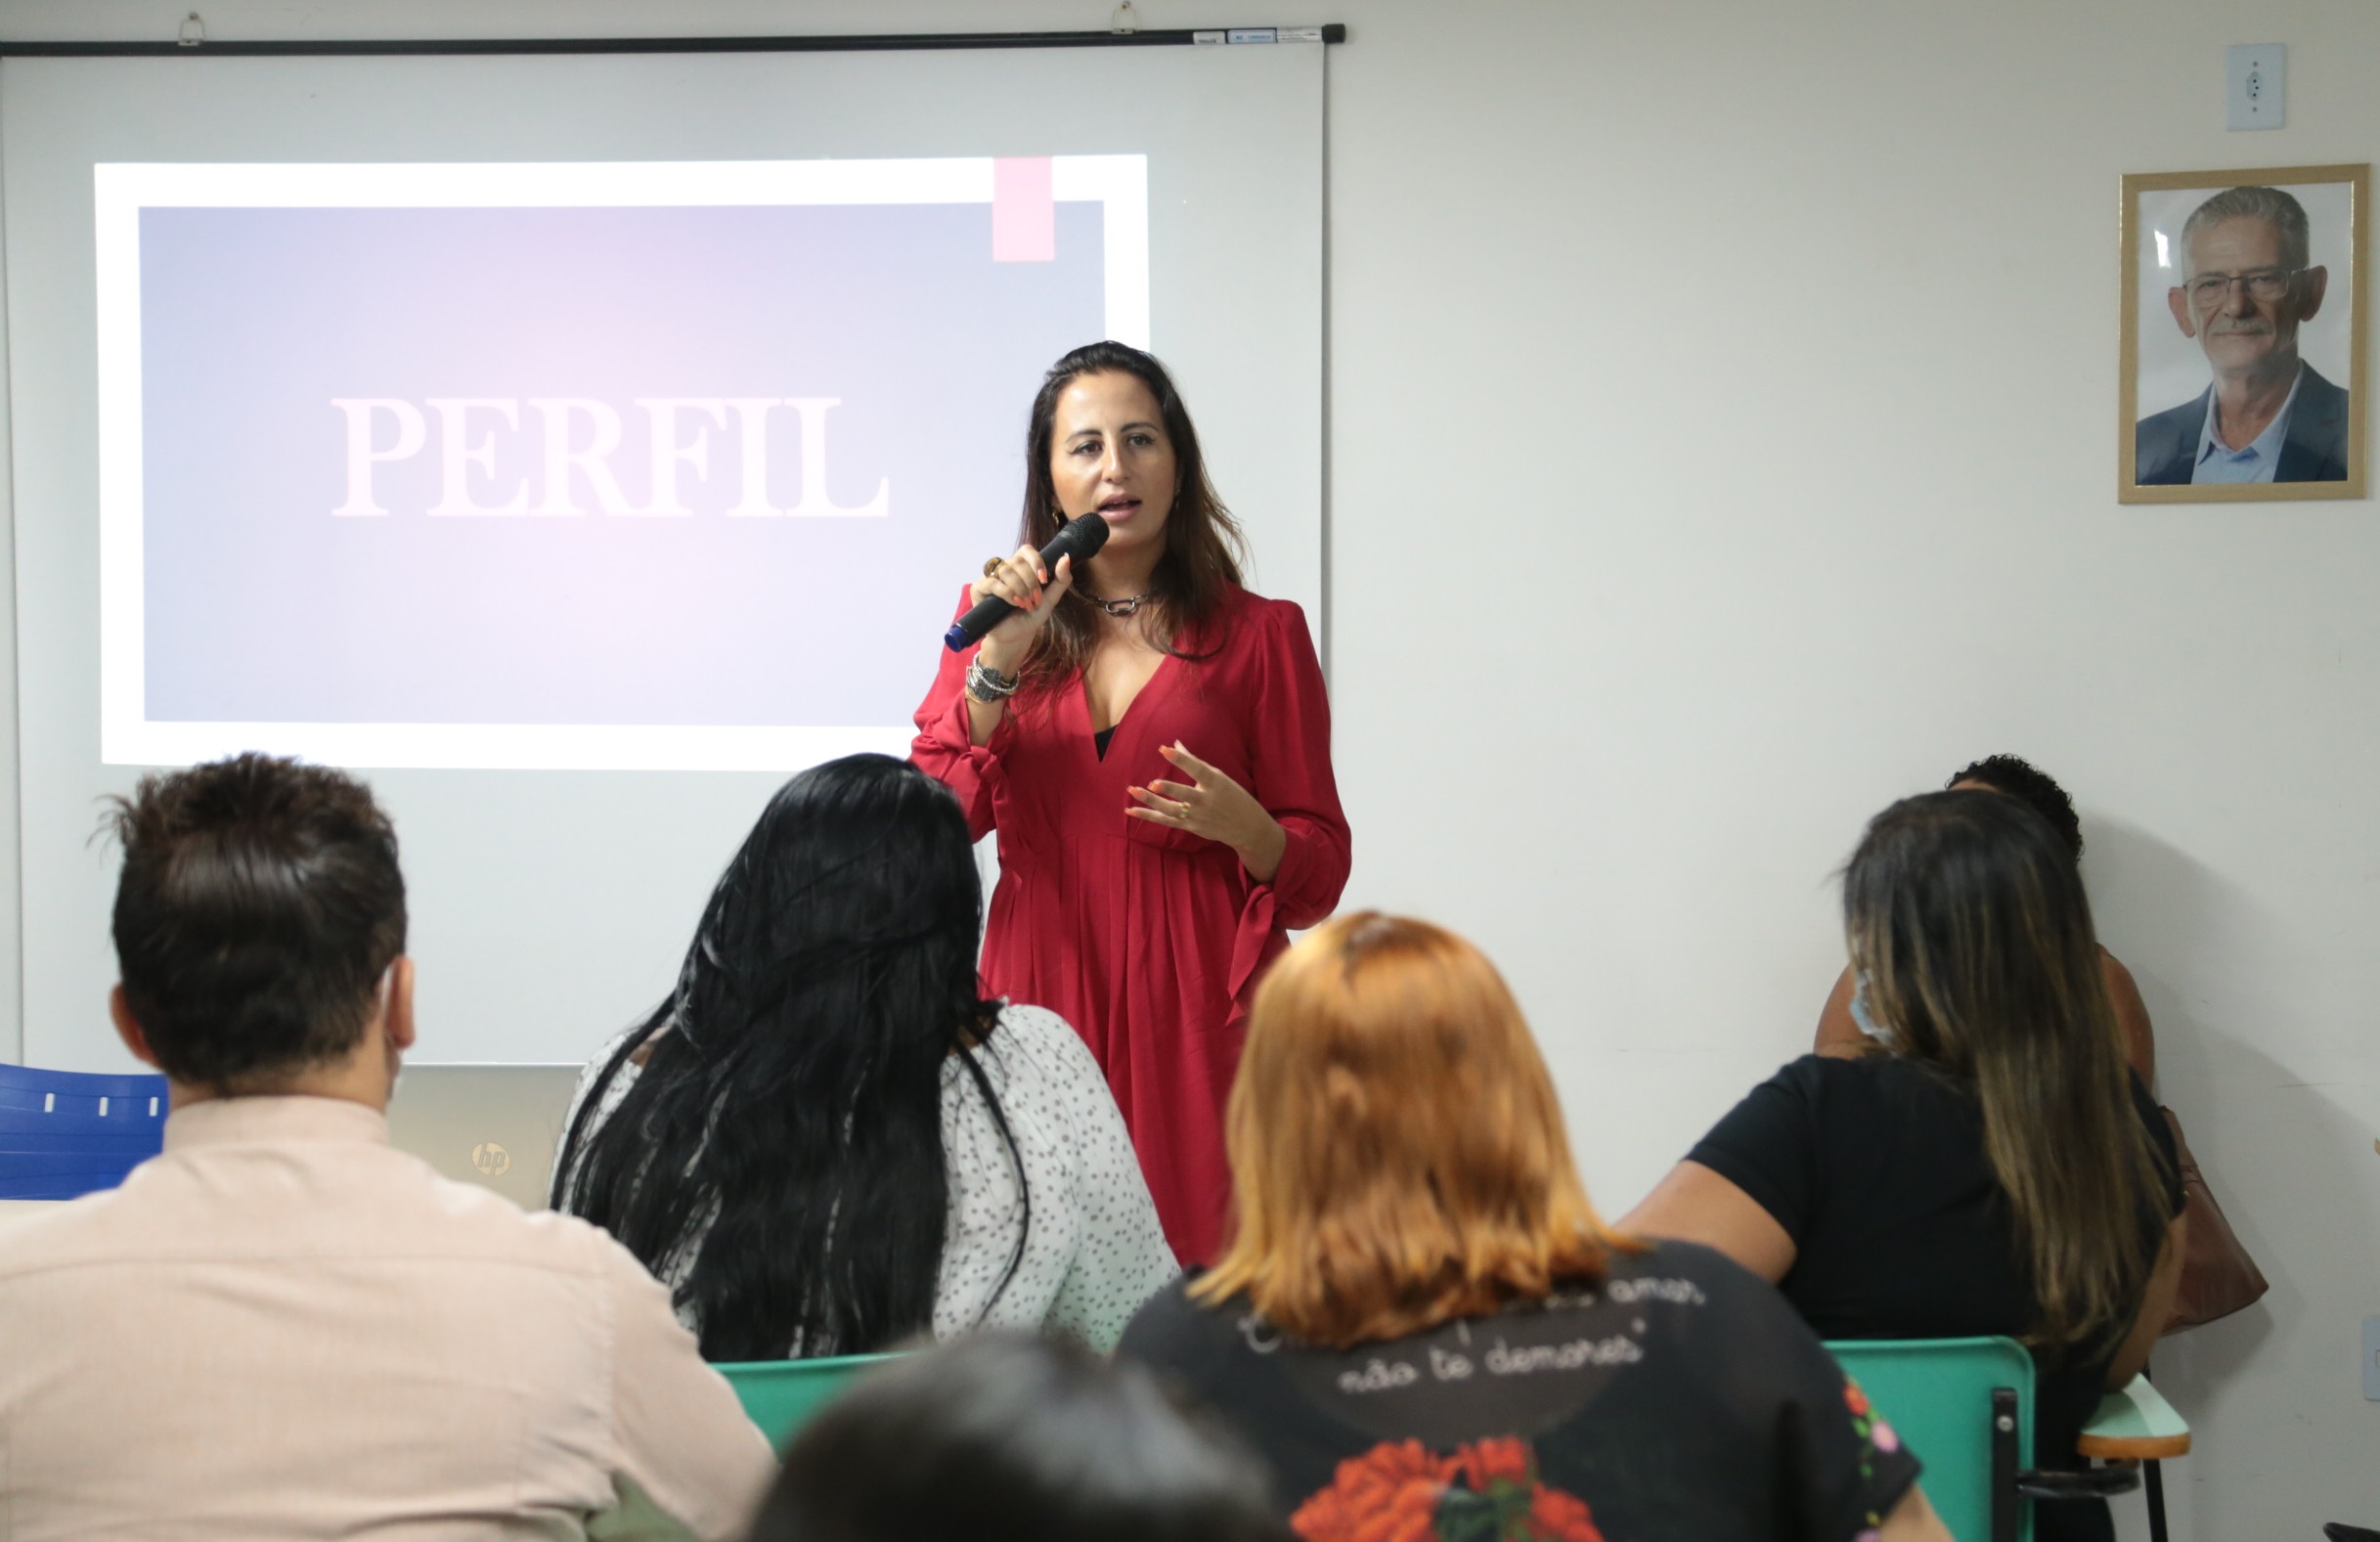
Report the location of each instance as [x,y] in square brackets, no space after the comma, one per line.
[783,1395]
[66,1132]
[1936,1394]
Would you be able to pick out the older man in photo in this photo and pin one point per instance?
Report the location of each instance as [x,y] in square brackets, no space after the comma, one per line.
[2248,280]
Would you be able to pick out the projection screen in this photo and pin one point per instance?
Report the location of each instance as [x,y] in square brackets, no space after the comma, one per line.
[575,446]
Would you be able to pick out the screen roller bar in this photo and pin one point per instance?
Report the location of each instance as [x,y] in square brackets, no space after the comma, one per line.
[829,43]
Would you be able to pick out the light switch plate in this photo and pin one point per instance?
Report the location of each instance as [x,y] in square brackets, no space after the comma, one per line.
[2256,85]
[2371,1359]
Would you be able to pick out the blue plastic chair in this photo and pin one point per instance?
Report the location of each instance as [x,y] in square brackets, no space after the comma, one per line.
[65,1133]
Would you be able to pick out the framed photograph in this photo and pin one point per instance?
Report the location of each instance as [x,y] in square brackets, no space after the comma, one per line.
[2243,370]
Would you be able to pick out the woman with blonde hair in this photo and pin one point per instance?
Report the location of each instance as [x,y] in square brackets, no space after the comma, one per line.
[1988,1165]
[1427,1330]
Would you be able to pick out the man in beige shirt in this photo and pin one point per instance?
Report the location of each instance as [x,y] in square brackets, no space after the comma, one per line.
[283,1328]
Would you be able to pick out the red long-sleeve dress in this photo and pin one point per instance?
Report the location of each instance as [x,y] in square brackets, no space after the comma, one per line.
[1150,940]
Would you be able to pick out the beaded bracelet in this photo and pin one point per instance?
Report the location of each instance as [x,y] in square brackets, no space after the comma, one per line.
[989,685]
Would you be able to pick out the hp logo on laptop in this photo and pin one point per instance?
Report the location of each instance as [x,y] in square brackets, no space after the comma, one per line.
[492,1159]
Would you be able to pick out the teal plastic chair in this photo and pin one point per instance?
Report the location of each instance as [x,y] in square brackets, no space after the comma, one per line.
[783,1395]
[1966,1407]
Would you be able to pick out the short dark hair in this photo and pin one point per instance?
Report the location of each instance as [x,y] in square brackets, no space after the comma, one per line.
[259,905]
[1010,1438]
[2030,785]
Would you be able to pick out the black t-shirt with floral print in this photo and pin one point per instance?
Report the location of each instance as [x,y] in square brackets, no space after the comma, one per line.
[1681,1400]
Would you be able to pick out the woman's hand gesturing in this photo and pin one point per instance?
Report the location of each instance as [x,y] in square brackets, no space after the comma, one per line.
[1023,582]
[1216,807]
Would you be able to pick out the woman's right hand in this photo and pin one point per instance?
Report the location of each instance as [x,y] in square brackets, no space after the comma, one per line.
[1023,582]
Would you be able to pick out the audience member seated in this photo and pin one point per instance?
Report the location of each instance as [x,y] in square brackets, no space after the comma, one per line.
[1844,1024]
[1989,1165]
[825,1140]
[1423,1326]
[1008,1439]
[282,1328]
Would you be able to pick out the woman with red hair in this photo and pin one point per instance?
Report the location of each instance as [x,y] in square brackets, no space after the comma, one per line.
[1425,1327]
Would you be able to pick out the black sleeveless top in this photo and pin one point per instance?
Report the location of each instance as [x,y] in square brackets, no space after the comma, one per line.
[1876,1168]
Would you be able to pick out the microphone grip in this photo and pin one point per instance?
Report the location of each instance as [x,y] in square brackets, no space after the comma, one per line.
[968,630]
[1080,538]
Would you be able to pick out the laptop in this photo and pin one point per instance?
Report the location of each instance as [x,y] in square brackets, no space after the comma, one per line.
[493,1125]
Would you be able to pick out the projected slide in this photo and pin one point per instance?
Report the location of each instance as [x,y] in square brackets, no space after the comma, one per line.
[635,466]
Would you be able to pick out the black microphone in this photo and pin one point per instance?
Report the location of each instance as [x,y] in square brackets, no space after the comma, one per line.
[1080,538]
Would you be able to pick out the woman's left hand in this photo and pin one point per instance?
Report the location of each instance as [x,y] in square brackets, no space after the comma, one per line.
[1216,807]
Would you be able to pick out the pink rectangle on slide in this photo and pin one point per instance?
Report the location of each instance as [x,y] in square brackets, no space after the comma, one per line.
[1024,219]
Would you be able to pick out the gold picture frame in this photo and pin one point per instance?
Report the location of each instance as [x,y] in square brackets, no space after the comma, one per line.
[2176,331]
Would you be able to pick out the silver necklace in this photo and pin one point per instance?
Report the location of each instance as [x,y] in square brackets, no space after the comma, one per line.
[1119,608]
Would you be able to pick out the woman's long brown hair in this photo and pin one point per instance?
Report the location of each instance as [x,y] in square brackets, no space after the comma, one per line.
[1973,945]
[1397,1152]
[1204,546]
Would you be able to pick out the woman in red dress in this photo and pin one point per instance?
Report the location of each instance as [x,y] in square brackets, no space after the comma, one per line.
[1152,744]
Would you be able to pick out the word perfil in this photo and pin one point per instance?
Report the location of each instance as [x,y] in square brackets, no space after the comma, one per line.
[577,438]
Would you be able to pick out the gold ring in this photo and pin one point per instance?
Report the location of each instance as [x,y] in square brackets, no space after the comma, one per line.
[992,566]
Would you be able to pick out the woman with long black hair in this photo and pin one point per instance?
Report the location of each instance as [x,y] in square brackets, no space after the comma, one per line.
[825,1140]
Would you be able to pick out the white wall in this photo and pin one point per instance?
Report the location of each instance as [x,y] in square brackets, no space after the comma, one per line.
[1774,348]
